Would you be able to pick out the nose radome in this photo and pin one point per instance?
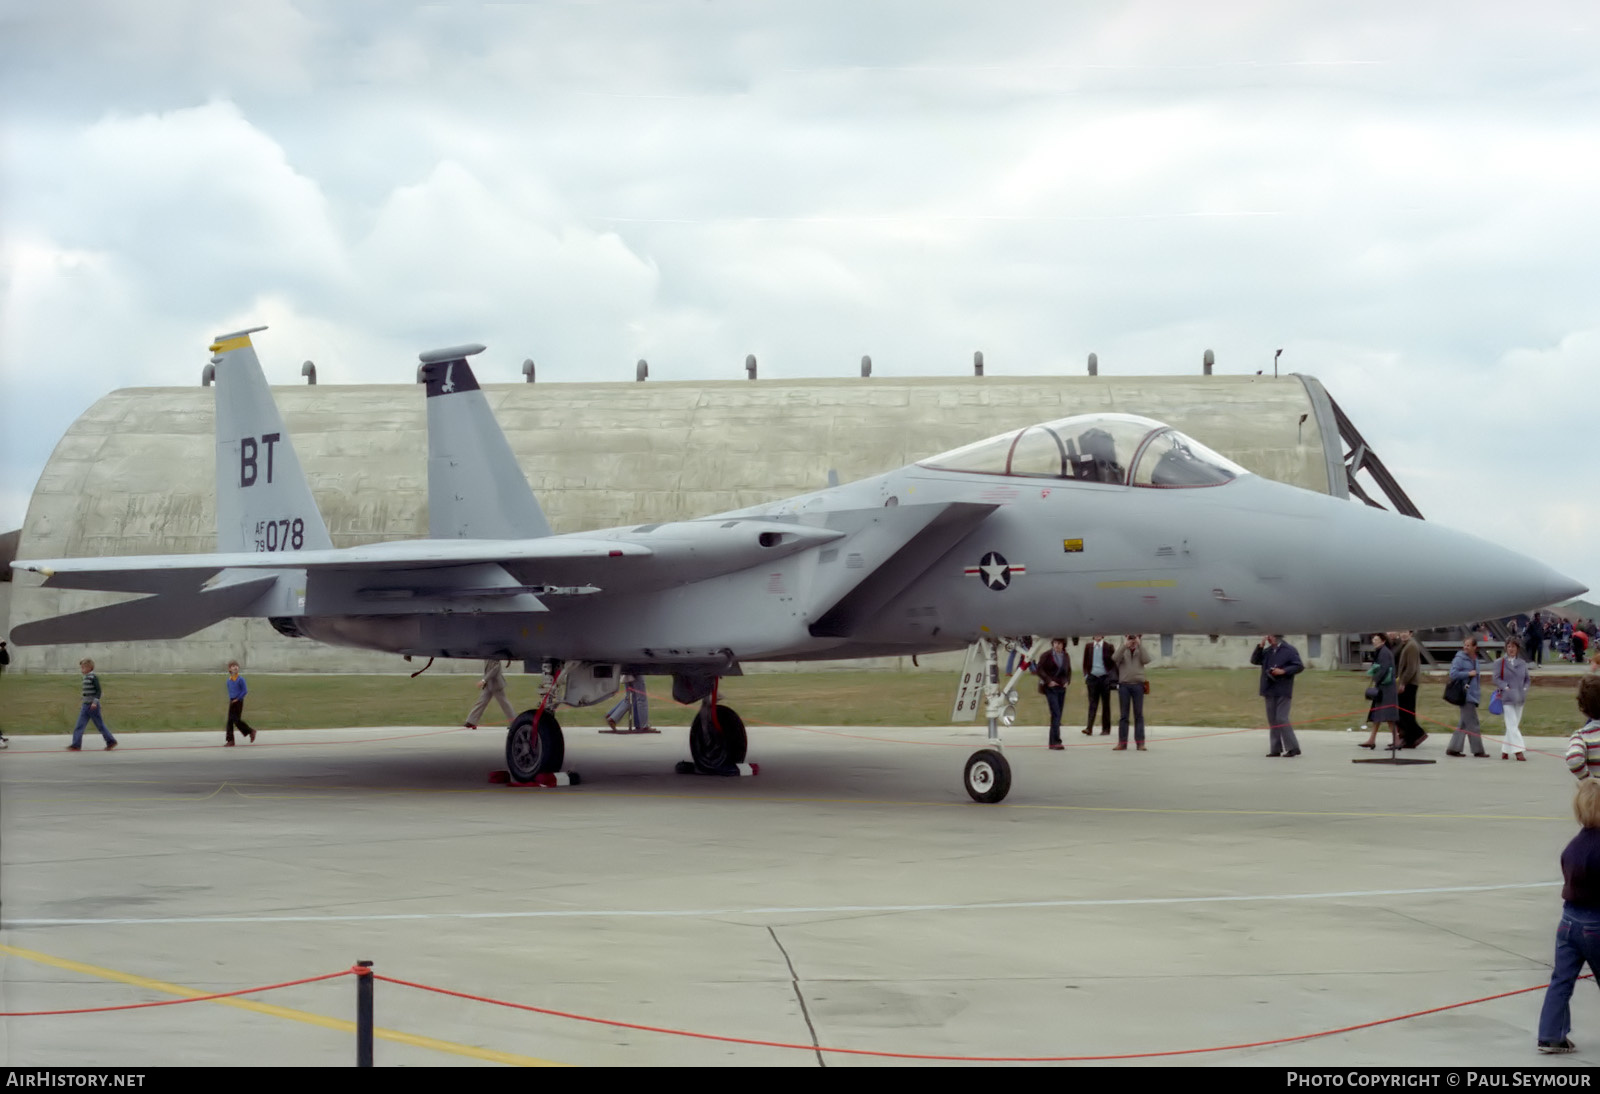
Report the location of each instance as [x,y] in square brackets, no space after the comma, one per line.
[1448,576]
[1368,568]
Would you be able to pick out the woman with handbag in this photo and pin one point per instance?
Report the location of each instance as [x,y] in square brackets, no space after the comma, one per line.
[1464,667]
[1383,693]
[1510,694]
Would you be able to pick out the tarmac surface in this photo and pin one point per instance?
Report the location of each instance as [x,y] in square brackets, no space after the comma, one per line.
[1193,896]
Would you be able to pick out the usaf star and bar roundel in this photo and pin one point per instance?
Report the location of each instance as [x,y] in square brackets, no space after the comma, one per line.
[995,571]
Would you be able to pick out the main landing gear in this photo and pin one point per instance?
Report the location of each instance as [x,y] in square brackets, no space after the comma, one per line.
[987,776]
[534,745]
[717,739]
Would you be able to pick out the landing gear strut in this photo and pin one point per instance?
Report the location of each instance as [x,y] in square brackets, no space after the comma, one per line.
[988,774]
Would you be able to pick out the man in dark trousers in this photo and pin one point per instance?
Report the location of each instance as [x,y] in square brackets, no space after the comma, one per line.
[5,659]
[1407,671]
[1280,663]
[1054,670]
[1100,680]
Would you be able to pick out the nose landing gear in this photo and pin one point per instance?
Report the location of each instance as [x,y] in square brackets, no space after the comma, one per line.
[987,776]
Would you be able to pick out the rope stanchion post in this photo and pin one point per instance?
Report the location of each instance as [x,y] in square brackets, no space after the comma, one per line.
[364,980]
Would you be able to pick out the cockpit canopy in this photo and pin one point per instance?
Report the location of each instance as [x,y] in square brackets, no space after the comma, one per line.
[1122,449]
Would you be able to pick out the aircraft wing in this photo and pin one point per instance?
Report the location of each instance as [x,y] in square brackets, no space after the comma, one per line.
[556,560]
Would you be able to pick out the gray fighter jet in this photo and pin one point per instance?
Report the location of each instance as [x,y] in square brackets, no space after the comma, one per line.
[1102,523]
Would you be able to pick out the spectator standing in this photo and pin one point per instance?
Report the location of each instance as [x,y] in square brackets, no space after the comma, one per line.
[1583,751]
[5,659]
[1535,640]
[1054,670]
[1407,673]
[1100,681]
[1511,681]
[1385,705]
[1280,663]
[1578,934]
[493,686]
[1130,659]
[91,693]
[632,704]
[237,690]
[1464,666]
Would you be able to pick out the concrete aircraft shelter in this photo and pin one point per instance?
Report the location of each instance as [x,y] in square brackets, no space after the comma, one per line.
[135,474]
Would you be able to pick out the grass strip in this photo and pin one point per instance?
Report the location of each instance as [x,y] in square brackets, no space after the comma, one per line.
[1224,698]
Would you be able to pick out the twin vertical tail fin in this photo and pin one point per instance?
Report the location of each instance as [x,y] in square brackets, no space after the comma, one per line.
[475,488]
[263,500]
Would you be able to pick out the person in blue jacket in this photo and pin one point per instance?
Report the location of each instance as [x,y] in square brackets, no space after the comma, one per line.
[237,690]
[1280,663]
[1464,666]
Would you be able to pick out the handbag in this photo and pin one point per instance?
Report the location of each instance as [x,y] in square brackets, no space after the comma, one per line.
[1146,685]
[1373,693]
[1496,701]
[1455,692]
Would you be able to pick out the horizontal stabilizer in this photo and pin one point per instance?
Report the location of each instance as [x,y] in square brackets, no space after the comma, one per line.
[148,619]
[947,527]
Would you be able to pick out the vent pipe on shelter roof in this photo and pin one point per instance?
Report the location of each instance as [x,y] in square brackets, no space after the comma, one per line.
[528,369]
[641,371]
[977,363]
[750,366]
[309,371]
[1094,365]
[866,365]
[1208,361]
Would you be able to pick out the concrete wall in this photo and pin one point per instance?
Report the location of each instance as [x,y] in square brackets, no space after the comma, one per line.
[134,474]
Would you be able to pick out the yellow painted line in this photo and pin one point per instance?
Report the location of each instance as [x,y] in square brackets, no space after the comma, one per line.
[270,1010]
[227,344]
[1159,583]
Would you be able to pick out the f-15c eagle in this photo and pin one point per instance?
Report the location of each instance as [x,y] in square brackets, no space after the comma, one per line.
[1101,523]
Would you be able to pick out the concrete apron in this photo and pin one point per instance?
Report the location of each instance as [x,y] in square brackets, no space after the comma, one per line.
[1191,896]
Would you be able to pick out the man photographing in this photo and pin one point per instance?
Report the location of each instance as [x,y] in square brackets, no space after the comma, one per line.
[1280,663]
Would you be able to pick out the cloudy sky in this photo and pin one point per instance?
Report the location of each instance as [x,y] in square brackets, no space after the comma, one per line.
[1405,197]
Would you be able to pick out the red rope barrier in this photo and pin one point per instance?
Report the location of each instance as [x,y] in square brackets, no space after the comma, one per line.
[932,1056]
[191,999]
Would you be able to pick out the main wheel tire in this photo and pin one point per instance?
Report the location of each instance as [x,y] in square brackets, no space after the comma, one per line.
[530,752]
[715,746]
[988,776]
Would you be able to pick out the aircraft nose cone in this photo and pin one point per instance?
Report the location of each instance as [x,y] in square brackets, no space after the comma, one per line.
[1439,576]
[1357,568]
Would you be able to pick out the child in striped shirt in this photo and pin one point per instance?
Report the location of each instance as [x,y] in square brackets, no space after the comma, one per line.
[1583,752]
[90,709]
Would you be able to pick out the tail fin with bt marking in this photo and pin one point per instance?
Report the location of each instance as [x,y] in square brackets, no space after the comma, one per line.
[263,500]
